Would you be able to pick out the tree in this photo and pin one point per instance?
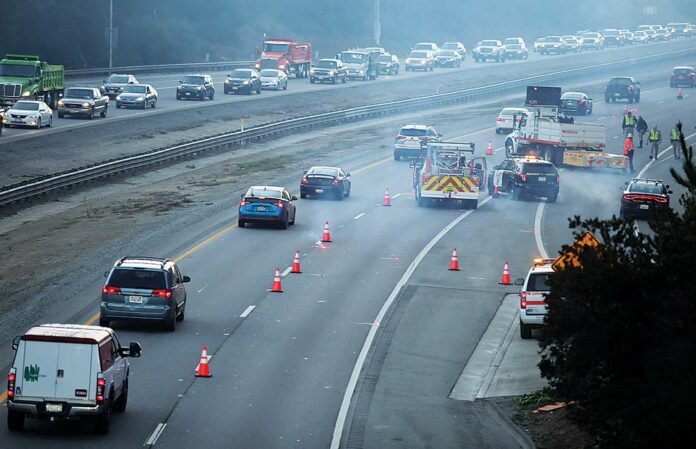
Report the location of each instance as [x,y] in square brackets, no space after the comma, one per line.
[621,331]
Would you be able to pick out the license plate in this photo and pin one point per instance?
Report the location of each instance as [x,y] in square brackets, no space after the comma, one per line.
[54,408]
[413,143]
[261,208]
[16,120]
[319,190]
[533,311]
[188,94]
[645,206]
[542,178]
[135,299]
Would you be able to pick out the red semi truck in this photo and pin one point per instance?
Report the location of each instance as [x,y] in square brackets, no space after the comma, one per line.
[286,55]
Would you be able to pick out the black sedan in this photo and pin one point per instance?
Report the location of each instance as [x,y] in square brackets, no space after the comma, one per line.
[331,181]
[576,103]
[641,197]
[243,81]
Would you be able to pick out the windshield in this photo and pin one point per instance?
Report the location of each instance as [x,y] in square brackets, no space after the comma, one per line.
[193,80]
[26,106]
[572,96]
[539,169]
[512,40]
[683,71]
[240,74]
[450,46]
[511,111]
[353,57]
[418,55]
[513,46]
[20,71]
[644,187]
[79,93]
[488,44]
[326,171]
[620,82]
[325,64]
[541,39]
[538,282]
[553,39]
[263,193]
[145,279]
[413,132]
[447,53]
[135,89]
[118,79]
[276,48]
[384,58]
[423,47]
[269,73]
[612,33]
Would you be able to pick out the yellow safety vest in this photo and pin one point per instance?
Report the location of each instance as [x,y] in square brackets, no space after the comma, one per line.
[654,135]
[629,120]
[675,134]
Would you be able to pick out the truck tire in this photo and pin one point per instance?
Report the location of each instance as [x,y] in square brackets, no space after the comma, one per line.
[552,198]
[525,331]
[103,322]
[122,401]
[473,204]
[15,420]
[103,421]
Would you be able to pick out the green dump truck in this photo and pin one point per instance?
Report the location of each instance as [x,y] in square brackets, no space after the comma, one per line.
[25,76]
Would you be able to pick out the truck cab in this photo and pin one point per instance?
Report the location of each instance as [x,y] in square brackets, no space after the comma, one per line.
[286,55]
[26,77]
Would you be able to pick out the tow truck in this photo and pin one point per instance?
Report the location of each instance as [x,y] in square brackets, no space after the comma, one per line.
[544,133]
[447,176]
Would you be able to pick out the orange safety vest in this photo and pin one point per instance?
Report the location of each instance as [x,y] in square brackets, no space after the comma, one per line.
[628,146]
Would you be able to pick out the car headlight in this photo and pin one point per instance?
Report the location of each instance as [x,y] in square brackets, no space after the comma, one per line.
[60,103]
[140,99]
[408,61]
[245,82]
[281,66]
[26,94]
[86,105]
[178,87]
[361,71]
[118,97]
[312,71]
[227,80]
[332,73]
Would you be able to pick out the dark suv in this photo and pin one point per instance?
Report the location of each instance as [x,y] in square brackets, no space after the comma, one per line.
[196,86]
[641,197]
[84,101]
[683,76]
[243,81]
[622,88]
[519,177]
[144,289]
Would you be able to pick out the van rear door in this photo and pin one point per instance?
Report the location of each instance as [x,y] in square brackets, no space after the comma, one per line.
[36,369]
[74,371]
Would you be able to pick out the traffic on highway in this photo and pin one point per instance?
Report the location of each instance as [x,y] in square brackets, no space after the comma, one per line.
[373,282]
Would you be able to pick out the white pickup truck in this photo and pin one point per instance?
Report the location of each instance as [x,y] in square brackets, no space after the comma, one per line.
[66,371]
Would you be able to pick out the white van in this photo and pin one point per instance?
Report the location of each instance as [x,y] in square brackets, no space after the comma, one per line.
[66,371]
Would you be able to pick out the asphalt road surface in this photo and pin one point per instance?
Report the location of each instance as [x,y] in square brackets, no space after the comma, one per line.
[281,362]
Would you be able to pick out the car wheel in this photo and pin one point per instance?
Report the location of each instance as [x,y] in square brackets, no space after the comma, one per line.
[343,80]
[154,104]
[284,223]
[637,98]
[103,421]
[311,81]
[339,195]
[91,114]
[38,123]
[333,80]
[170,324]
[525,331]
[122,401]
[103,322]
[514,192]
[118,105]
[241,223]
[61,115]
[102,114]
[552,198]
[348,192]
[50,121]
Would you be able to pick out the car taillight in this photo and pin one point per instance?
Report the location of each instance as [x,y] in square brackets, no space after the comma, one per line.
[424,138]
[101,385]
[558,179]
[243,203]
[581,101]
[400,137]
[162,293]
[280,204]
[111,290]
[660,199]
[606,87]
[674,75]
[335,182]
[523,300]
[500,119]
[11,383]
[305,181]
[523,177]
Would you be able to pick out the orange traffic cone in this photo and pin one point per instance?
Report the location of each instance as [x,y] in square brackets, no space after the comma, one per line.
[489,151]
[454,262]
[296,263]
[203,370]
[387,200]
[625,109]
[277,286]
[680,94]
[326,237]
[506,275]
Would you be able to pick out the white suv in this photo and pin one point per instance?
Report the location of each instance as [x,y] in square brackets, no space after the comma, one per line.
[533,308]
[412,139]
[65,371]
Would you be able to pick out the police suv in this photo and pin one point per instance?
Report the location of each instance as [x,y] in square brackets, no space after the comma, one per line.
[533,308]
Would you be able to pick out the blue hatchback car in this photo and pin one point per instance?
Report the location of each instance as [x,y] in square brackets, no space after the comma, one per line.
[267,204]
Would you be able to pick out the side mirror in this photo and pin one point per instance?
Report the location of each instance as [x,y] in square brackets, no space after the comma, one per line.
[241,196]
[519,281]
[15,342]
[670,192]
[103,81]
[131,82]
[134,349]
[106,274]
[186,279]
[293,198]
[180,82]
[347,174]
[496,167]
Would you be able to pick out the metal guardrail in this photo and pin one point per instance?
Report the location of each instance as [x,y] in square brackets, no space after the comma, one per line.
[80,176]
[193,67]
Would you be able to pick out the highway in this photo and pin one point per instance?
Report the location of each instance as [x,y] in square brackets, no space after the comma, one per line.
[282,362]
[74,143]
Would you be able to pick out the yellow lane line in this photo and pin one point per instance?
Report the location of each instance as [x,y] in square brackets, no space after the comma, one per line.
[205,242]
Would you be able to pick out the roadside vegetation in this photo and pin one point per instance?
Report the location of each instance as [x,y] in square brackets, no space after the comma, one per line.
[620,339]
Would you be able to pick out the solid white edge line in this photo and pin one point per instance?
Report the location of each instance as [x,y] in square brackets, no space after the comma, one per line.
[286,272]
[537,230]
[247,311]
[651,162]
[154,436]
[353,381]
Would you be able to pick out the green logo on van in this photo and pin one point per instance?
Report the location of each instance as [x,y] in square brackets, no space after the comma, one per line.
[31,373]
